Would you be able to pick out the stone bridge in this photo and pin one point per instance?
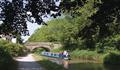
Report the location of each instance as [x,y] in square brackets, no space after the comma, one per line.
[46,45]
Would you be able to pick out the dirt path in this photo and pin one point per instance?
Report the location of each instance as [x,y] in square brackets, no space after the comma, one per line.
[28,63]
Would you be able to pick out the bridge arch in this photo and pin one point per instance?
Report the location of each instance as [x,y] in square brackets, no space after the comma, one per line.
[42,47]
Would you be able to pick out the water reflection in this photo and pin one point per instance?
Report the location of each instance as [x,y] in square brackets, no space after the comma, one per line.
[29,66]
[22,66]
[112,67]
[12,66]
[72,66]
[91,66]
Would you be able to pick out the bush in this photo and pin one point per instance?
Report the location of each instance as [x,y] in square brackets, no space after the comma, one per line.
[85,55]
[112,58]
[9,50]
[3,42]
[14,49]
[108,44]
[5,57]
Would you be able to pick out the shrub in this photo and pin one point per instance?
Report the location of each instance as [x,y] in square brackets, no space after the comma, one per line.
[14,49]
[108,44]
[3,42]
[9,50]
[85,55]
[5,57]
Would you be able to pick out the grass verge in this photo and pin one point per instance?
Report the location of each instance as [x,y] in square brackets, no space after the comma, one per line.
[87,56]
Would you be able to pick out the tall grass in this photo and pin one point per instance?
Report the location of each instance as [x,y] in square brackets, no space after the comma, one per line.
[86,55]
[110,57]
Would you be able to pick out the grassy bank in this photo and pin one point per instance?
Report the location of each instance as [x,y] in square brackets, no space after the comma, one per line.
[84,55]
[48,65]
[88,56]
[112,57]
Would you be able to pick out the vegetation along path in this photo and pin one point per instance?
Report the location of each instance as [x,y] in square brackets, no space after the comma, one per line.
[28,63]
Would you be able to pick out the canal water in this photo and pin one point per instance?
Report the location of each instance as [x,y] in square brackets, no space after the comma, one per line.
[83,66]
[91,66]
[78,65]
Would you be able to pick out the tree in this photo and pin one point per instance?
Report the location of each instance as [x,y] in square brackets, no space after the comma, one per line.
[13,14]
[107,18]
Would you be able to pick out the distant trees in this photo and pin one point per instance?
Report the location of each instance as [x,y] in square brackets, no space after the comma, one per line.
[97,19]
[91,24]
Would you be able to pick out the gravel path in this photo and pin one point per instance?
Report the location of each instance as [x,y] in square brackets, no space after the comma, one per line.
[28,63]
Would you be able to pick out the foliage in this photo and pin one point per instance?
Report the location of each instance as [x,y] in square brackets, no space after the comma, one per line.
[86,55]
[108,44]
[112,58]
[52,32]
[11,48]
[14,49]
[15,24]
[14,13]
[69,31]
[93,25]
[86,29]
[57,50]
[5,57]
[106,18]
[98,19]
[87,24]
[38,50]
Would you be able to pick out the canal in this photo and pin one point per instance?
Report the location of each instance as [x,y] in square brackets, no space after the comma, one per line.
[80,65]
[72,66]
[92,66]
[83,66]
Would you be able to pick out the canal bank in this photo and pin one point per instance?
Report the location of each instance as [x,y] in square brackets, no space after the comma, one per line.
[73,64]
